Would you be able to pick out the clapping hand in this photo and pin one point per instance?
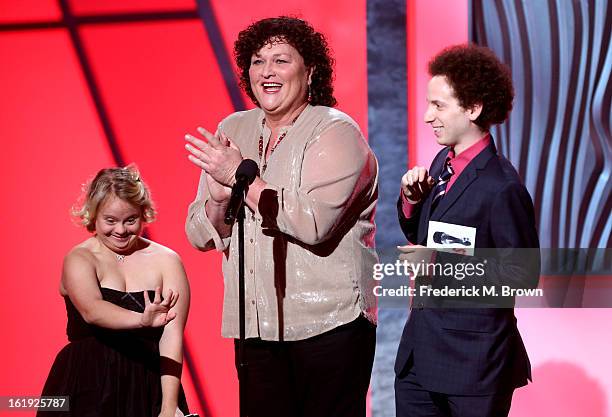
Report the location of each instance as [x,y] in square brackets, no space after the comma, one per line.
[157,313]
[218,156]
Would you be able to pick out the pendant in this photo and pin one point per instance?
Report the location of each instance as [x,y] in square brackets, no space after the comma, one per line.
[120,258]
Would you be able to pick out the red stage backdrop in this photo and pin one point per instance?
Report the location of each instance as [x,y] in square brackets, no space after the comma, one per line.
[88,84]
[153,70]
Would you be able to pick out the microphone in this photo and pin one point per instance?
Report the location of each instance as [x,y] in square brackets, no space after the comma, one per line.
[245,175]
[445,239]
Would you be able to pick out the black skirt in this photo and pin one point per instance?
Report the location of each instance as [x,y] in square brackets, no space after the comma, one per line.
[108,373]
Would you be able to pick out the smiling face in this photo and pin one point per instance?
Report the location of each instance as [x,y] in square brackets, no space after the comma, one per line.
[118,224]
[279,79]
[452,124]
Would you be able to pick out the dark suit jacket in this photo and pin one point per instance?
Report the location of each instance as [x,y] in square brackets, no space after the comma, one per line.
[474,351]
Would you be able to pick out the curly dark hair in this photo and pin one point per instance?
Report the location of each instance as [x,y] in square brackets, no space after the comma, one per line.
[477,76]
[298,33]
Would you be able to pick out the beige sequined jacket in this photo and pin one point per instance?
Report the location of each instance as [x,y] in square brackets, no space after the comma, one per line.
[310,245]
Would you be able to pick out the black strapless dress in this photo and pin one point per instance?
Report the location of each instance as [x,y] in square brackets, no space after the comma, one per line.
[109,373]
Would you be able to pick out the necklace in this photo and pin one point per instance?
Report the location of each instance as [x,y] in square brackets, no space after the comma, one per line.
[278,141]
[120,258]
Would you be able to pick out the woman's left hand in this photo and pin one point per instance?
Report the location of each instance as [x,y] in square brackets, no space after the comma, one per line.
[157,313]
[219,157]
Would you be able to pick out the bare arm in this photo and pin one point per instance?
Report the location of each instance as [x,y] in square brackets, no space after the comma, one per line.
[171,342]
[81,284]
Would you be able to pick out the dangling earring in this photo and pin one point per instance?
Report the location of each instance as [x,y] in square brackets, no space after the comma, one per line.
[309,93]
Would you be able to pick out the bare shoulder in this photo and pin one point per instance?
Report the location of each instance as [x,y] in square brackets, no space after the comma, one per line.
[79,263]
[171,267]
[162,253]
[81,254]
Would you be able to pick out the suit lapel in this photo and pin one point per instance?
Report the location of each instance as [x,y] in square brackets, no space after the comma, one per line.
[465,179]
[469,175]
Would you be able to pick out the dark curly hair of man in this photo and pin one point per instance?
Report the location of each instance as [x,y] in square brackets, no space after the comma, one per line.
[311,45]
[477,76]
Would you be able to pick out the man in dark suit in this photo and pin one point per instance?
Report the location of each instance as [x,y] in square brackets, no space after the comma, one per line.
[462,356]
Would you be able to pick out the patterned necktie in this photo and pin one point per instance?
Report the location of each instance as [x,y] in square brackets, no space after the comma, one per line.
[440,188]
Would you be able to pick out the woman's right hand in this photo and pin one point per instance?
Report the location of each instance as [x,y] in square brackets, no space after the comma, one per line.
[157,313]
[218,156]
[219,193]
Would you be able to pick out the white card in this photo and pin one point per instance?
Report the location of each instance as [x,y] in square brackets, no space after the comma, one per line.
[451,237]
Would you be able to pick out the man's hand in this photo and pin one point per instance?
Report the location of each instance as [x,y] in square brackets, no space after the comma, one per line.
[415,255]
[416,184]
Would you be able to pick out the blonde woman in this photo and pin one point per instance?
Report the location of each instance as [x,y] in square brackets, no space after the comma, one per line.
[125,315]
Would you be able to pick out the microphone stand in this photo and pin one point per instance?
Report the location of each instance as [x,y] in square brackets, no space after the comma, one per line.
[242,365]
[245,175]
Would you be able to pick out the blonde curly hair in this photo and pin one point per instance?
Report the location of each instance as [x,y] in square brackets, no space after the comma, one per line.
[124,183]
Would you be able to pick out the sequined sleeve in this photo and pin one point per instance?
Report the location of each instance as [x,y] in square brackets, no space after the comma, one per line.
[338,171]
[200,231]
